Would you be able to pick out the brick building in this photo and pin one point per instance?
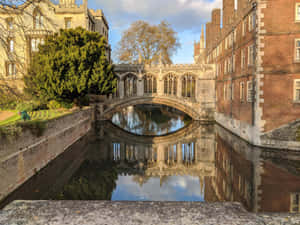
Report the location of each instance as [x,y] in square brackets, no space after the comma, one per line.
[256,52]
[24,27]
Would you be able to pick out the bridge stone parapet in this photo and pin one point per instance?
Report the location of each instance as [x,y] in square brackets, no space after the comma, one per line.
[187,87]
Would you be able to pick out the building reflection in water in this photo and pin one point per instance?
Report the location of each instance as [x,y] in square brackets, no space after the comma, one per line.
[197,163]
[177,157]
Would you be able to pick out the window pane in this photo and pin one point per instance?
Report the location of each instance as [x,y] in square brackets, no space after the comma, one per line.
[298,95]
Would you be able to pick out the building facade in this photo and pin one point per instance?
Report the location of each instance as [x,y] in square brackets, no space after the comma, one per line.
[24,27]
[257,56]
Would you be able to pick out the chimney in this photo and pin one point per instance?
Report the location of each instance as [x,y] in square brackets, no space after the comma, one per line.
[241,6]
[228,12]
[208,35]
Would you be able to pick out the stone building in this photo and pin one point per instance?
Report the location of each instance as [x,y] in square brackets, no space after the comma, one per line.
[257,53]
[24,27]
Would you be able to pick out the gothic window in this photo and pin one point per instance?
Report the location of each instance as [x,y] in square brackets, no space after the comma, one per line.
[38,19]
[130,85]
[188,86]
[170,84]
[188,152]
[150,84]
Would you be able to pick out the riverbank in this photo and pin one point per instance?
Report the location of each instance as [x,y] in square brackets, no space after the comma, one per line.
[107,212]
[23,155]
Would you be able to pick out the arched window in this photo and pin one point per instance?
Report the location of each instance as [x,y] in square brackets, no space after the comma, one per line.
[188,86]
[130,85]
[150,84]
[170,84]
[38,19]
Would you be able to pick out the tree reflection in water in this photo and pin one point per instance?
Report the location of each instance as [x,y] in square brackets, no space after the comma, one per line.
[150,119]
[92,181]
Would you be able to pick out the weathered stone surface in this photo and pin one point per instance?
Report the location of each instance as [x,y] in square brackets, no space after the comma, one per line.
[107,212]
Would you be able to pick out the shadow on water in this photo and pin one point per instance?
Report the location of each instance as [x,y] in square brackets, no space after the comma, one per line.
[199,162]
[153,120]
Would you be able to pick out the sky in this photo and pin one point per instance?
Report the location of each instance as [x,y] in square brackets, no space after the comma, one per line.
[185,17]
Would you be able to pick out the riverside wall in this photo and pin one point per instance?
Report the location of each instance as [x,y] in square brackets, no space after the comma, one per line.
[23,156]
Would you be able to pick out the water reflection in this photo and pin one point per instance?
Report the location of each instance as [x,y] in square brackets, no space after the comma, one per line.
[197,163]
[150,119]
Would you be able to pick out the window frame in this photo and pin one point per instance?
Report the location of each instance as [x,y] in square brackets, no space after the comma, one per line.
[242,91]
[12,75]
[297,17]
[249,91]
[292,205]
[297,60]
[68,19]
[295,90]
[11,45]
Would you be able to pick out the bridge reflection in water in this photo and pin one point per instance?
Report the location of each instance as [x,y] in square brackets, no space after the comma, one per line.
[197,163]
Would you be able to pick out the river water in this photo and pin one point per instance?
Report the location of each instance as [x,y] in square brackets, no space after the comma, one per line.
[156,153]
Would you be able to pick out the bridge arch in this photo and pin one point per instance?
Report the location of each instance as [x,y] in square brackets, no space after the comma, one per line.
[167,101]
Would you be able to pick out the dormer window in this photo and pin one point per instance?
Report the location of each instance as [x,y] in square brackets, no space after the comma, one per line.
[38,19]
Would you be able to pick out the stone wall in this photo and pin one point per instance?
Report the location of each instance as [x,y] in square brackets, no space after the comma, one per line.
[22,157]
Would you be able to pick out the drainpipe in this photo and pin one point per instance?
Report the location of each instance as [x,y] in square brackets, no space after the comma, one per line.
[254,5]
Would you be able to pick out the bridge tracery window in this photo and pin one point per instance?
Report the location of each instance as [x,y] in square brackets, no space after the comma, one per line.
[170,84]
[150,84]
[188,152]
[130,85]
[188,86]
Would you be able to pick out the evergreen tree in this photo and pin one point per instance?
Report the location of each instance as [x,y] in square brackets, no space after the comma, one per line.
[70,65]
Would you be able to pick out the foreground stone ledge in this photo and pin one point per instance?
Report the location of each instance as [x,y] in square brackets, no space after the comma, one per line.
[108,212]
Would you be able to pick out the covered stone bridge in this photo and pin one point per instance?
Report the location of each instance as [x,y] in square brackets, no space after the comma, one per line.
[189,88]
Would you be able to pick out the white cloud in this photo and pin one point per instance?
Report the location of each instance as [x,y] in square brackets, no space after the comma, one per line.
[173,189]
[182,14]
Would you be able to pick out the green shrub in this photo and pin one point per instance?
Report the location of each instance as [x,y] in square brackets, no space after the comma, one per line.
[82,101]
[25,106]
[10,132]
[54,105]
[66,105]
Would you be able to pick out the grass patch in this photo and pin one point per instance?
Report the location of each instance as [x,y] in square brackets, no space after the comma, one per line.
[10,120]
[42,115]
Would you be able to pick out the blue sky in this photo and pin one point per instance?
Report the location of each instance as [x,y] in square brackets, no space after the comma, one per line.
[185,17]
